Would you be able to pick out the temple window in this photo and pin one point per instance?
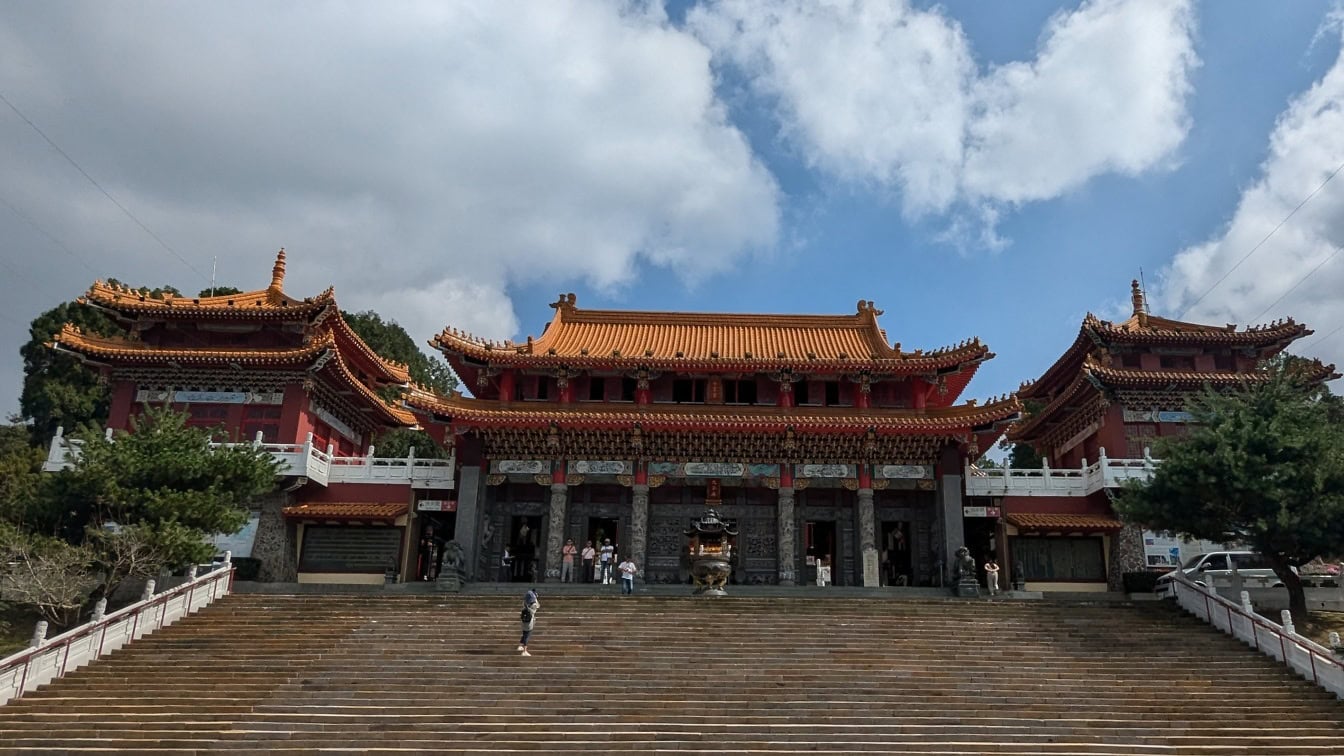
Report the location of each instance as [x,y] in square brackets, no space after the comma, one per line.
[597,389]
[802,394]
[688,391]
[1173,362]
[1224,361]
[1132,360]
[832,393]
[739,392]
[628,386]
[542,387]
[1138,436]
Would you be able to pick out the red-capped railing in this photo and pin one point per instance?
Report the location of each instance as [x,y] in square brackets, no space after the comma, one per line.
[1303,655]
[51,659]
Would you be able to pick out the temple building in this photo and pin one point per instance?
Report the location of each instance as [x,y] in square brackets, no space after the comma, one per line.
[290,376]
[1094,416]
[821,443]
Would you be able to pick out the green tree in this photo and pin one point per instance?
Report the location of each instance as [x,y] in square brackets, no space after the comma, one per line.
[391,342]
[162,485]
[20,476]
[398,442]
[57,389]
[219,291]
[1263,466]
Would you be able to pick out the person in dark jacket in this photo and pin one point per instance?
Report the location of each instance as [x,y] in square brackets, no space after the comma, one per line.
[529,618]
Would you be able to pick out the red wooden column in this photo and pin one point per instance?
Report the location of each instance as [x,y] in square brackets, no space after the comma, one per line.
[863,393]
[119,413]
[919,392]
[506,386]
[785,400]
[643,394]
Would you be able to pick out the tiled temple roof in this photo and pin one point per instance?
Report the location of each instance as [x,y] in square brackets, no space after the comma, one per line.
[268,303]
[469,412]
[717,341]
[121,349]
[1143,329]
[1062,523]
[343,511]
[1095,377]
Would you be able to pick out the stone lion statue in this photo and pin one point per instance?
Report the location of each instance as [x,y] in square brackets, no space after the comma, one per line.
[964,566]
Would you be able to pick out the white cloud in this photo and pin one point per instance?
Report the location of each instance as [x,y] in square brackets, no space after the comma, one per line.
[890,94]
[1306,146]
[396,155]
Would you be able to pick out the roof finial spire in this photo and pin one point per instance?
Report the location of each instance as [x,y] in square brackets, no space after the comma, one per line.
[278,272]
[1140,306]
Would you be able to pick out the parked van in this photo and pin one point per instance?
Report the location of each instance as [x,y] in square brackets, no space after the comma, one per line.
[1217,566]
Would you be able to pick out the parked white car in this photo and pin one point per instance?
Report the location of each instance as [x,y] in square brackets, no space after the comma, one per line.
[1217,566]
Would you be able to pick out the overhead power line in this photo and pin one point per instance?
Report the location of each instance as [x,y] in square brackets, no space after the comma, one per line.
[1300,281]
[37,227]
[100,188]
[1261,243]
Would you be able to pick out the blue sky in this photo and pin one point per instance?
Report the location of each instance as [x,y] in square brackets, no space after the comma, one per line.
[976,169]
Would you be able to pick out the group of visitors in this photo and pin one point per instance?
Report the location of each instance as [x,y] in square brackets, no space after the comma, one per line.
[598,565]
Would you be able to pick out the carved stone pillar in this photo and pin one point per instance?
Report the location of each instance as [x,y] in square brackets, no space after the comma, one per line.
[555,536]
[868,538]
[788,552]
[639,527]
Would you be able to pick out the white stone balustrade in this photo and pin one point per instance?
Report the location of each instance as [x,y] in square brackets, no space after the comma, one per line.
[321,466]
[1047,481]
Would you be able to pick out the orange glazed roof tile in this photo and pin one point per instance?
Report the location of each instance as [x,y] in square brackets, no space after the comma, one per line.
[732,418]
[1150,330]
[119,349]
[578,337]
[346,511]
[1062,523]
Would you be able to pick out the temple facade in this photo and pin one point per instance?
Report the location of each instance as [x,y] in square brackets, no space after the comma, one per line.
[821,443]
[832,454]
[1094,416]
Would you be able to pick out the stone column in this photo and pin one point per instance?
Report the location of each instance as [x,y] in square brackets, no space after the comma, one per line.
[788,551]
[469,493]
[949,517]
[555,537]
[1127,555]
[868,538]
[639,527]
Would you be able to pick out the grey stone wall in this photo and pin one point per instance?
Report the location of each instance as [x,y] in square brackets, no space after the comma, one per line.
[274,546]
[1126,556]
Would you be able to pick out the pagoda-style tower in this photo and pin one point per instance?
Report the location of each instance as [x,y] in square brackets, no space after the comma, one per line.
[1094,415]
[1120,386]
[612,424]
[289,375]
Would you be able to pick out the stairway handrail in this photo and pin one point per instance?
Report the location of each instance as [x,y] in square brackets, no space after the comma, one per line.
[1320,666]
[28,681]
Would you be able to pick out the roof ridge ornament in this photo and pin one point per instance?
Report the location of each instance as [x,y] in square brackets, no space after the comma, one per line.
[1140,304]
[278,273]
[565,302]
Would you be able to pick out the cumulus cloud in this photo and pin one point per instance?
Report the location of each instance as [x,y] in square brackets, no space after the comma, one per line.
[890,94]
[422,161]
[1256,269]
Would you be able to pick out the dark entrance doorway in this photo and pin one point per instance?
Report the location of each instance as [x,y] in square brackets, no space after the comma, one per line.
[979,532]
[436,529]
[525,546]
[601,529]
[894,553]
[819,553]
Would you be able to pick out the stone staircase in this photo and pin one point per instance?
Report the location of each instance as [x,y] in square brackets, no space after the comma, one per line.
[256,673]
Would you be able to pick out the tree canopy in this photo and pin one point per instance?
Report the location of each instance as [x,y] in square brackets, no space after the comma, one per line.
[1262,466]
[391,342]
[57,389]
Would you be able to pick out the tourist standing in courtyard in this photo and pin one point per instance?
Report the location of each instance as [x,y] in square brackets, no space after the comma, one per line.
[567,563]
[528,617]
[628,570]
[589,554]
[608,554]
[992,576]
